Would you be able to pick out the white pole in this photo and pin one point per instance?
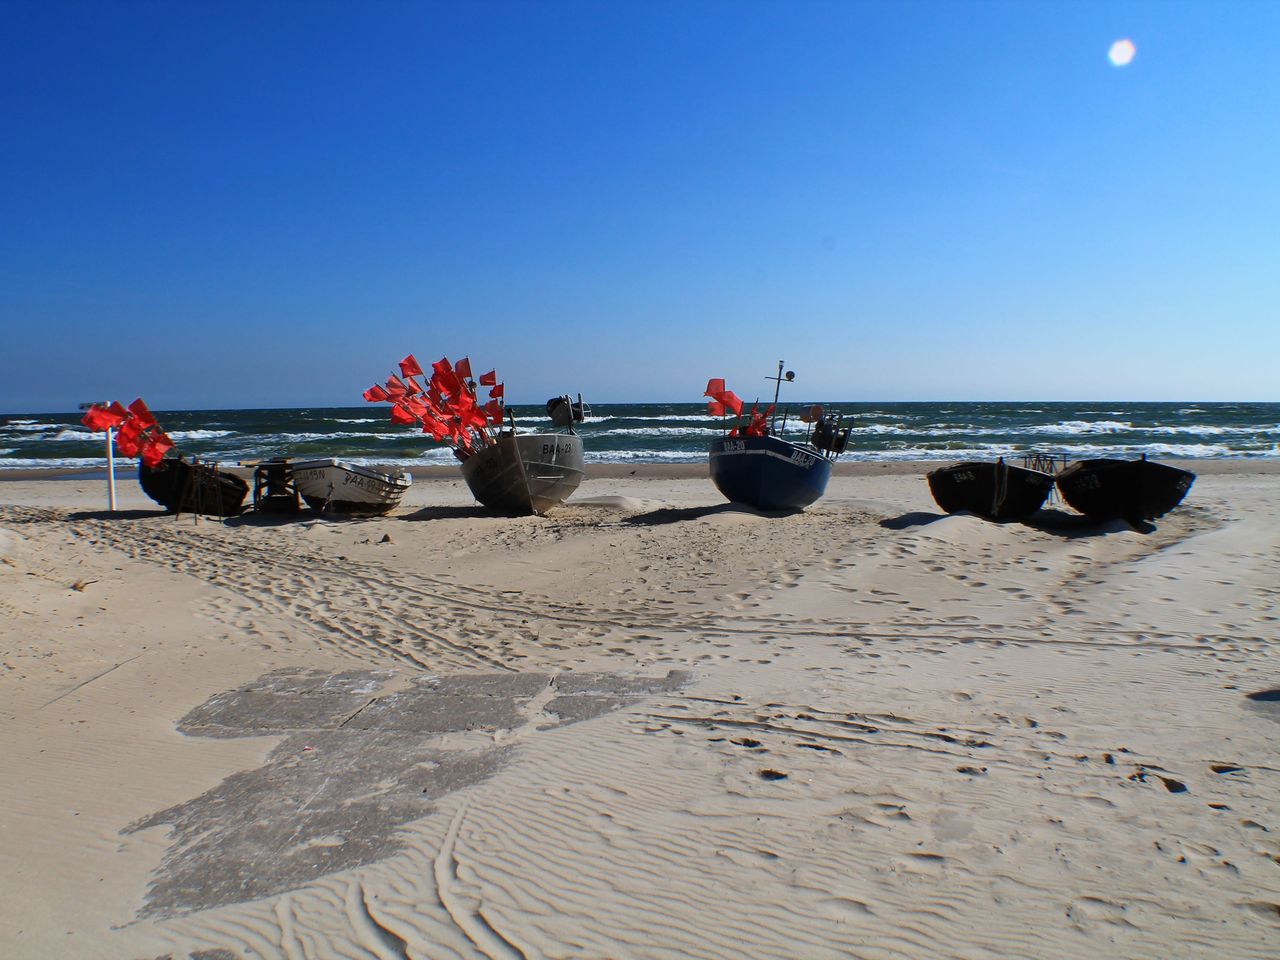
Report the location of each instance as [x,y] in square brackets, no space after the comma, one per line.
[111,472]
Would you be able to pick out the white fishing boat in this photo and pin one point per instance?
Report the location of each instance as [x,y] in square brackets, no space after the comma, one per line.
[336,486]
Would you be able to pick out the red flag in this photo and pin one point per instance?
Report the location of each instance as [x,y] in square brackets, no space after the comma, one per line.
[497,391]
[400,414]
[415,406]
[154,448]
[463,368]
[495,411]
[396,388]
[105,418]
[759,426]
[409,367]
[411,387]
[731,402]
[489,379]
[715,387]
[376,393]
[139,410]
[461,402]
[434,408]
[128,440]
[434,427]
[715,408]
[444,377]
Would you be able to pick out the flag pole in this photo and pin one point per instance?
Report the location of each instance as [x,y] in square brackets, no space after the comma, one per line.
[111,471]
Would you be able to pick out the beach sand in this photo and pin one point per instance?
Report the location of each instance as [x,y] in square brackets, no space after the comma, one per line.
[648,725]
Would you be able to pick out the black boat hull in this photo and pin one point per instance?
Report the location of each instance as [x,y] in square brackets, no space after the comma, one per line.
[997,491]
[183,487]
[1132,490]
[768,473]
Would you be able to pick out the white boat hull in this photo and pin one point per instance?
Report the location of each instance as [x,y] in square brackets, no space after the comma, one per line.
[529,473]
[335,486]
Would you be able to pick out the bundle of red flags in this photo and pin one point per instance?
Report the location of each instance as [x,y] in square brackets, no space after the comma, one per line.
[446,404]
[137,433]
[725,401]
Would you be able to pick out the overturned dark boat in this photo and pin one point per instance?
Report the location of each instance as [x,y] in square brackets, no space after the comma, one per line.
[336,486]
[530,472]
[753,465]
[185,486]
[1133,490]
[998,491]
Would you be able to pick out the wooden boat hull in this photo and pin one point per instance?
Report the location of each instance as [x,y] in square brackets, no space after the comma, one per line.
[335,486]
[526,473]
[997,491]
[184,487]
[1132,490]
[768,473]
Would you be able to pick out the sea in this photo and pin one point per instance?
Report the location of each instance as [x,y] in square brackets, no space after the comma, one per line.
[680,432]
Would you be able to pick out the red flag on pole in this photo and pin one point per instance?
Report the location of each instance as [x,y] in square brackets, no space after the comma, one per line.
[105,418]
[154,448]
[409,367]
[498,391]
[139,410]
[731,402]
[395,387]
[400,414]
[715,387]
[128,440]
[444,377]
[489,379]
[715,408]
[376,393]
[495,412]
[463,368]
[434,427]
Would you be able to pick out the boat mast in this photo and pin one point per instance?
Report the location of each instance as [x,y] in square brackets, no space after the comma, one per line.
[777,388]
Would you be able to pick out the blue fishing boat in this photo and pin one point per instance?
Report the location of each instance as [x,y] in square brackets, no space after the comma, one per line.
[753,465]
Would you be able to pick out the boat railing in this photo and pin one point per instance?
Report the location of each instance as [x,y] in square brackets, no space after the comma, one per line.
[1049,463]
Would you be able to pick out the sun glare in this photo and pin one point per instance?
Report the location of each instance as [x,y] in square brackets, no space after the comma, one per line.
[1121,53]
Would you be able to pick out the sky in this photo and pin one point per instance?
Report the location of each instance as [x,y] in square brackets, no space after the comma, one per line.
[268,204]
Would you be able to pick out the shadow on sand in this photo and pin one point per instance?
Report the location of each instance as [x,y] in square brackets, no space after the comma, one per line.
[665,515]
[118,514]
[1069,526]
[916,518]
[474,512]
[254,518]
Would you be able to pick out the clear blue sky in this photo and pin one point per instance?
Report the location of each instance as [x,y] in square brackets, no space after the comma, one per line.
[244,204]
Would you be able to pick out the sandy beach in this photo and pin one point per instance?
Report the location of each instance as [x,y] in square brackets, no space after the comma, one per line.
[647,725]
